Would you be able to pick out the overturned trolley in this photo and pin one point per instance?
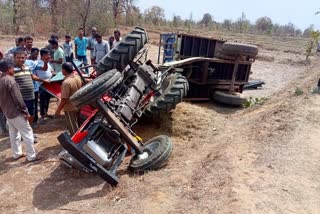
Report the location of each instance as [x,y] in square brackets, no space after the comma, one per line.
[215,69]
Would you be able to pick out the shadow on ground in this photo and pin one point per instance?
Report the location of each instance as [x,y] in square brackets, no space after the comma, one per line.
[221,108]
[4,143]
[8,163]
[68,185]
[51,125]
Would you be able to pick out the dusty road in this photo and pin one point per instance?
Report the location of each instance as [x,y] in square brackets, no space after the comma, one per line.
[264,159]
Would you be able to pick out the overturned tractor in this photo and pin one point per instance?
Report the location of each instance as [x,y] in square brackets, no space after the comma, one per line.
[123,91]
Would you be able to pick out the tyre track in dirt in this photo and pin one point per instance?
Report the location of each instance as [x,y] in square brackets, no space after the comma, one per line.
[264,160]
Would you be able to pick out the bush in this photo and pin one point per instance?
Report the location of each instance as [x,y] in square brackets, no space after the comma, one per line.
[254,101]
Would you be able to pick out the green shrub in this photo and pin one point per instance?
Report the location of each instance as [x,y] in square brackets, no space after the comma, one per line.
[254,101]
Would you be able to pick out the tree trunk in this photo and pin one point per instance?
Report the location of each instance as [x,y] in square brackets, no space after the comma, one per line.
[85,17]
[115,7]
[15,17]
[54,16]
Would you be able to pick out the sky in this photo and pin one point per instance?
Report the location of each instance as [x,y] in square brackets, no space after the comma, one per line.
[299,12]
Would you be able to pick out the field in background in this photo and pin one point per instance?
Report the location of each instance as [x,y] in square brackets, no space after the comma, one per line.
[258,160]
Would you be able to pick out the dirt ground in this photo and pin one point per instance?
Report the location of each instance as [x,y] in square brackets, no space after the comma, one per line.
[263,159]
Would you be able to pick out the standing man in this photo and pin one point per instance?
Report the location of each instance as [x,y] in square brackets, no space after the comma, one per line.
[24,78]
[101,48]
[45,75]
[91,43]
[111,40]
[29,42]
[70,85]
[32,63]
[81,44]
[117,38]
[34,54]
[19,44]
[58,56]
[3,120]
[68,49]
[53,36]
[13,107]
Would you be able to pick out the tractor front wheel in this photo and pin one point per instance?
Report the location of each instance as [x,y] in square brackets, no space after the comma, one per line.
[155,152]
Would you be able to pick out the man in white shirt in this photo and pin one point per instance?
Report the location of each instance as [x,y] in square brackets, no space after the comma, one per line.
[117,38]
[46,75]
[101,48]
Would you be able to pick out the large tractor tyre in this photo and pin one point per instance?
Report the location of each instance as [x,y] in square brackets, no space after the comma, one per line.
[236,49]
[3,124]
[228,99]
[93,91]
[124,53]
[173,88]
[158,150]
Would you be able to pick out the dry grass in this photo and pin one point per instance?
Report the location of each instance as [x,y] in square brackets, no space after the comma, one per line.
[224,160]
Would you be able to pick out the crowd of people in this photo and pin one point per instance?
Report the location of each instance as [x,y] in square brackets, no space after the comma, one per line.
[23,73]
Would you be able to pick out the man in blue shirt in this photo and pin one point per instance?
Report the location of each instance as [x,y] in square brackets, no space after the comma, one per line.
[81,44]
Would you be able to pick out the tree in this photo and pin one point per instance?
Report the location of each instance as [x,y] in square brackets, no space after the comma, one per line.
[307,32]
[264,24]
[242,23]
[155,14]
[133,16]
[315,37]
[54,15]
[121,6]
[189,22]
[19,14]
[227,24]
[298,33]
[289,29]
[206,20]
[83,10]
[177,21]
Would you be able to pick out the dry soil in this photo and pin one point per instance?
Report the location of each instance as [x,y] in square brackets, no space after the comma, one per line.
[263,159]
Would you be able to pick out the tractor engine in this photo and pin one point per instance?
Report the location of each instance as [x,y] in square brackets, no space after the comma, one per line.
[140,82]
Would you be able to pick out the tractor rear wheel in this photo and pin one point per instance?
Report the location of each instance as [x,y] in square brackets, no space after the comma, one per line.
[124,53]
[228,99]
[173,88]
[235,49]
